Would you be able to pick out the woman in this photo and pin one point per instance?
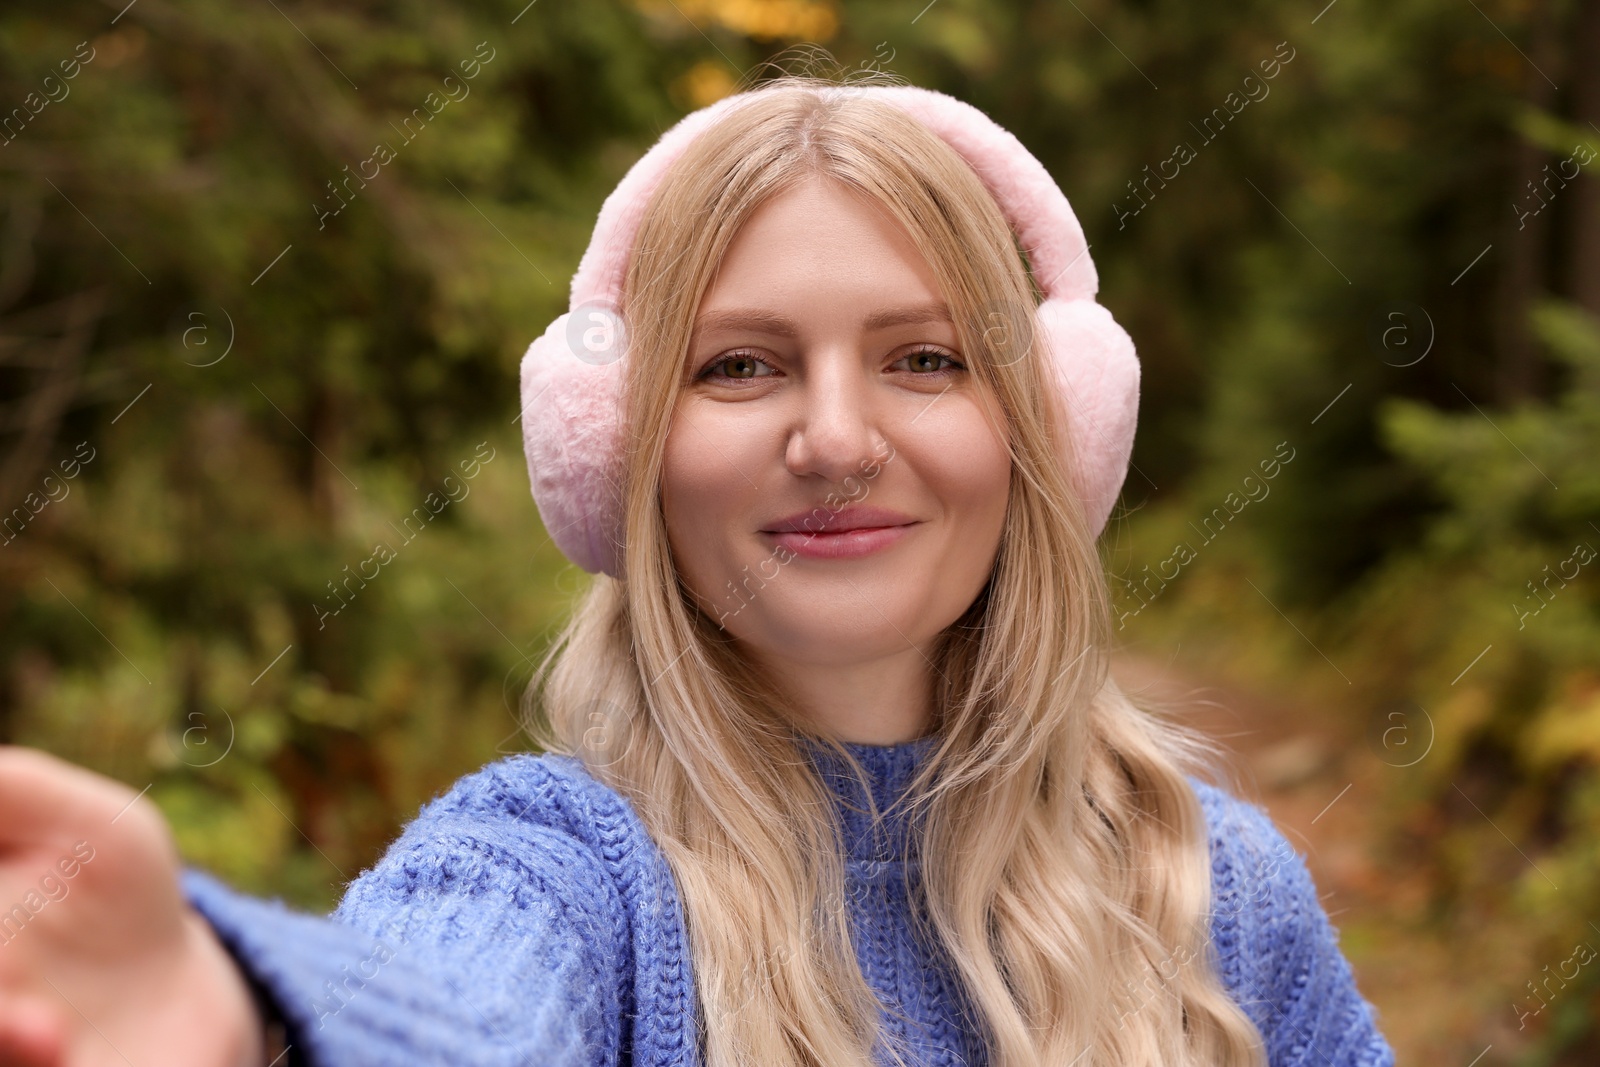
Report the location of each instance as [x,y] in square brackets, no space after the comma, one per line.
[835,773]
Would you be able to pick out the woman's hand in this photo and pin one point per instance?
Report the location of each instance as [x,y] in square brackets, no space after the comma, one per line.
[102,960]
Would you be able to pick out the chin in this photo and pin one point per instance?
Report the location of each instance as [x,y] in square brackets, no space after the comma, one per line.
[831,638]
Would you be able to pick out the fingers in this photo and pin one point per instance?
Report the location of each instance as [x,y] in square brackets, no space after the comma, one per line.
[43,798]
[31,1034]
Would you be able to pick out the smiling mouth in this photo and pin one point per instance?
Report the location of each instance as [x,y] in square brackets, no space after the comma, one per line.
[839,544]
[840,521]
[825,533]
[859,529]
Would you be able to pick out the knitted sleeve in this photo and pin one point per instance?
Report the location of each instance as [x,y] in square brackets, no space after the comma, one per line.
[481,938]
[1277,950]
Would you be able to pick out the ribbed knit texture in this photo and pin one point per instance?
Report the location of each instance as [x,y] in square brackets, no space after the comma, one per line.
[526,917]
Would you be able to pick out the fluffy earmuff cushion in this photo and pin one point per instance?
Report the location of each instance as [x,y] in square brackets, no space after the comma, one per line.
[572,436]
[1092,357]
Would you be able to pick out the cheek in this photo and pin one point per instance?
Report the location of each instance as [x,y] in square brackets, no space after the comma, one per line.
[702,497]
[967,469]
[967,466]
[962,472]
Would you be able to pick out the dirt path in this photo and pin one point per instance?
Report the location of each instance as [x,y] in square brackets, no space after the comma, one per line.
[1294,760]
[1317,777]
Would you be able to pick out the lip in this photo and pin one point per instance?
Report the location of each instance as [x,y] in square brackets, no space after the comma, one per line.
[832,523]
[846,544]
[848,533]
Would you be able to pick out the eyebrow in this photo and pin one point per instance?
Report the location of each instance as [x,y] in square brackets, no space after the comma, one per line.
[782,326]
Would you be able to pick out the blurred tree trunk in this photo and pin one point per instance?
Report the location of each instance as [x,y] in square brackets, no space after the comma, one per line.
[1519,372]
[329,486]
[42,350]
[1586,194]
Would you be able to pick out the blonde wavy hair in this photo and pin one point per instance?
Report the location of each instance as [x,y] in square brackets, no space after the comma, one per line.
[1065,859]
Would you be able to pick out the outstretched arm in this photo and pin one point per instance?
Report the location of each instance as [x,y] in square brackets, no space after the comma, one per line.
[101,962]
[480,938]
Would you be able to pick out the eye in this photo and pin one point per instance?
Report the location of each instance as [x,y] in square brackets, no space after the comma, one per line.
[922,357]
[743,365]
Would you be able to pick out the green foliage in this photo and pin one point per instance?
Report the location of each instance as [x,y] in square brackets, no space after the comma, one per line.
[275,275]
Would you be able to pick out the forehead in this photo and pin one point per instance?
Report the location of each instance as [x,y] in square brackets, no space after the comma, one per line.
[820,250]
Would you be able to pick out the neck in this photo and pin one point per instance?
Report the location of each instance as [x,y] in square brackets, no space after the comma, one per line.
[881,701]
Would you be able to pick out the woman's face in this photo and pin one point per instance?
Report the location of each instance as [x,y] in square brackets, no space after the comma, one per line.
[825,384]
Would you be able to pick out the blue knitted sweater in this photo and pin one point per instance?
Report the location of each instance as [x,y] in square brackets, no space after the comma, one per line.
[526,917]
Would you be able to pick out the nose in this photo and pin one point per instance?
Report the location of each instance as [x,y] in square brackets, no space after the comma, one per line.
[837,430]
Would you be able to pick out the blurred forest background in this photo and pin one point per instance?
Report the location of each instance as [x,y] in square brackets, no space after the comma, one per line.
[240,346]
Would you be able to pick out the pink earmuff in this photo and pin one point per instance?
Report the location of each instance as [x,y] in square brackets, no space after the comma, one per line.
[572,375]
